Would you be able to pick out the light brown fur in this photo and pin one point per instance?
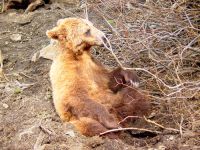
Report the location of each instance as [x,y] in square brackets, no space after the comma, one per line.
[81,90]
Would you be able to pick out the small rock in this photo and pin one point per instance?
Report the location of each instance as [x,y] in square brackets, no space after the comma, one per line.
[16,37]
[70,133]
[5,105]
[6,42]
[129,6]
[153,26]
[12,14]
[161,147]
[171,138]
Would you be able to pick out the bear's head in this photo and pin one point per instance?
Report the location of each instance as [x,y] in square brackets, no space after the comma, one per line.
[76,34]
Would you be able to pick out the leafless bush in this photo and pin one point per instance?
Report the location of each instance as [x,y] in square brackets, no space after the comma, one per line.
[160,39]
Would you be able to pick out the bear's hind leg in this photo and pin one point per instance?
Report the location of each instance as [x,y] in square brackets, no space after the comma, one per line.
[90,127]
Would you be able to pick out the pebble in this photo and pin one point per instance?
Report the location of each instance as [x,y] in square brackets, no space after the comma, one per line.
[16,37]
[162,147]
[12,14]
[153,26]
[70,133]
[5,105]
[171,138]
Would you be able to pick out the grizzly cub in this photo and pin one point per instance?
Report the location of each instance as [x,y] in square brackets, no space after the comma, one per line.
[85,93]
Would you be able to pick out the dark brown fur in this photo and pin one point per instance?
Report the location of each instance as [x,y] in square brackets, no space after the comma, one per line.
[120,78]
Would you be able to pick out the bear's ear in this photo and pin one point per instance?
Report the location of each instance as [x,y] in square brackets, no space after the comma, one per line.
[56,33]
[60,21]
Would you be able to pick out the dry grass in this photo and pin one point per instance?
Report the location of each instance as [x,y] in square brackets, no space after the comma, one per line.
[160,39]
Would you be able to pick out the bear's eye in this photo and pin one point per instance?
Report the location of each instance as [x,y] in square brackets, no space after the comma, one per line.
[88,32]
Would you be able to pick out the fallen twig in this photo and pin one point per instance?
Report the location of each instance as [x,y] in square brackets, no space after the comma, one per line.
[125,129]
[45,130]
[3,6]
[159,125]
[38,145]
[1,59]
[181,128]
[128,118]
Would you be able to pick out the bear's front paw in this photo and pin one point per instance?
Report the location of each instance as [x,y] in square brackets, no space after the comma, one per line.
[121,78]
[130,78]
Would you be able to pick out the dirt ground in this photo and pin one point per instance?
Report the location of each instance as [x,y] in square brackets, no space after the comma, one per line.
[27,116]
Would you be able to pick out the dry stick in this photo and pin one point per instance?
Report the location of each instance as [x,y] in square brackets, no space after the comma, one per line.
[111,26]
[1,59]
[45,130]
[38,145]
[159,125]
[86,11]
[150,121]
[141,69]
[3,5]
[128,118]
[26,75]
[189,45]
[110,49]
[181,128]
[188,19]
[125,129]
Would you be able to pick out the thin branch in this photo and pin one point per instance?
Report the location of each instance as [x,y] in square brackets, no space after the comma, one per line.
[159,125]
[86,10]
[128,118]
[189,45]
[126,129]
[3,6]
[38,145]
[189,20]
[181,128]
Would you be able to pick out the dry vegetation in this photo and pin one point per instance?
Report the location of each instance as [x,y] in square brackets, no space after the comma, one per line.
[159,39]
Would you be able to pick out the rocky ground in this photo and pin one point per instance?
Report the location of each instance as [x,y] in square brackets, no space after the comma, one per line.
[27,116]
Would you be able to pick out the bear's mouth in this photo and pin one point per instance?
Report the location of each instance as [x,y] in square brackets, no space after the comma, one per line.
[87,47]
